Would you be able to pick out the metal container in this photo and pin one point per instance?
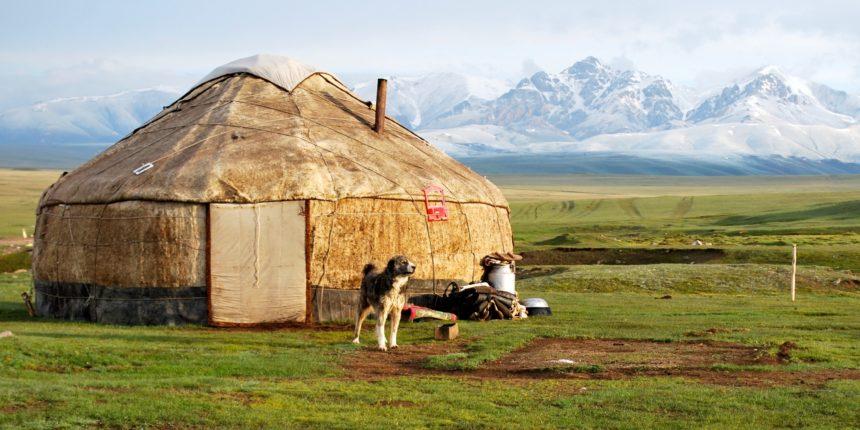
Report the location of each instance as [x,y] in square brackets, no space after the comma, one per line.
[537,307]
[502,278]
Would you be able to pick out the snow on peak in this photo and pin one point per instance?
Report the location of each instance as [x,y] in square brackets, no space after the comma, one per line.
[769,70]
[771,78]
[592,107]
[768,96]
[586,99]
[588,66]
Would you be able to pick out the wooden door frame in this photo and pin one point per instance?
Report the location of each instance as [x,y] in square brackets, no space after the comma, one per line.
[308,288]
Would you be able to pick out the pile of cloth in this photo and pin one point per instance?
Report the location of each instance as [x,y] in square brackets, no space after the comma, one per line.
[482,302]
[476,302]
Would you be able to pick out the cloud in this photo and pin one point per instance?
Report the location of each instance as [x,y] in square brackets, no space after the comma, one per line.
[99,48]
[94,77]
[621,63]
[529,67]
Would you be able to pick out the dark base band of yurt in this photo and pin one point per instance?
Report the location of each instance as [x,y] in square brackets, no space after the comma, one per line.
[257,198]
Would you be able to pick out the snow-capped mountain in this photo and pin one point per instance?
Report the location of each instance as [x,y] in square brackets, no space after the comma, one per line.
[83,119]
[769,97]
[418,101]
[584,100]
[835,100]
[589,107]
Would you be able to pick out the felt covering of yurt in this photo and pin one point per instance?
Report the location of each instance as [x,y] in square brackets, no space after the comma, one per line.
[257,197]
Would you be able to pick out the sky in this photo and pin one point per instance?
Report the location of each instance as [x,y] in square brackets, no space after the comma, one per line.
[51,49]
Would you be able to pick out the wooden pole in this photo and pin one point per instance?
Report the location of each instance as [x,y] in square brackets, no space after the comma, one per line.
[793,269]
[381,92]
[28,304]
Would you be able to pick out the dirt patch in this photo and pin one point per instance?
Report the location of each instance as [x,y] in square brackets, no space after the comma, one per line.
[370,363]
[107,389]
[29,405]
[848,284]
[714,330]
[608,356]
[536,272]
[15,243]
[600,359]
[813,378]
[625,256]
[240,397]
[397,403]
[784,353]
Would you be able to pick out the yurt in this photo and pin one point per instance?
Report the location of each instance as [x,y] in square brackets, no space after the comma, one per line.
[256,198]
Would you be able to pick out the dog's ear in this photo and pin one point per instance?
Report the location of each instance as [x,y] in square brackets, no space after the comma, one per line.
[391,263]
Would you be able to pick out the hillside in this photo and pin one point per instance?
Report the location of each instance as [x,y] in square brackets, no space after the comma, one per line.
[90,119]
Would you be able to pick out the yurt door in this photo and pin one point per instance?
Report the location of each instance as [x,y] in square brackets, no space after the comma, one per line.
[257,263]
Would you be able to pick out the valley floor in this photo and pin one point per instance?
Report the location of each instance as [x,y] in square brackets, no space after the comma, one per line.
[648,330]
[622,357]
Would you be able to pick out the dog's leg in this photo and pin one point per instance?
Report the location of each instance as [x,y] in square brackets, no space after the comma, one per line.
[380,325]
[395,324]
[360,316]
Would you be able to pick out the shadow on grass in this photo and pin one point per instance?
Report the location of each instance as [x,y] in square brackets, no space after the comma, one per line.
[836,211]
[12,312]
[287,340]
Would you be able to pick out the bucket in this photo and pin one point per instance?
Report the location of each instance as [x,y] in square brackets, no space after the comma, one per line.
[502,278]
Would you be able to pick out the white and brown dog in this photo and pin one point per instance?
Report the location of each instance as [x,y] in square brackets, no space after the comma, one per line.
[383,292]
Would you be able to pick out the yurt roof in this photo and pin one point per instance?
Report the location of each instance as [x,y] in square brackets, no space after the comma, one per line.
[268,128]
[284,72]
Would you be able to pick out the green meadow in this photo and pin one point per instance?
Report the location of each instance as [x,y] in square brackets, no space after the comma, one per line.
[58,374]
[762,361]
[750,219]
[19,194]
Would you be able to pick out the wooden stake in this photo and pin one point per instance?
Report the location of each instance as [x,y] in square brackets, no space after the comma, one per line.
[28,304]
[793,269]
[381,92]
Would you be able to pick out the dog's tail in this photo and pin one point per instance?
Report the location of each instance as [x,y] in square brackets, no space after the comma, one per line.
[369,267]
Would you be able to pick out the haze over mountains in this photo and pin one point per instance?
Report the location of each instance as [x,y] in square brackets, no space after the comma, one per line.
[90,119]
[768,118]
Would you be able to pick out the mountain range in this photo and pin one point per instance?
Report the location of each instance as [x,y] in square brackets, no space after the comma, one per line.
[91,119]
[589,107]
[756,124]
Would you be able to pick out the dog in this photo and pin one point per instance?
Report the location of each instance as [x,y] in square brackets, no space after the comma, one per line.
[383,292]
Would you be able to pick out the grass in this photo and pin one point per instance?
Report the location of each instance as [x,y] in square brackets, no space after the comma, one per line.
[68,374]
[754,219]
[661,279]
[19,194]
[750,219]
[59,374]
[14,261]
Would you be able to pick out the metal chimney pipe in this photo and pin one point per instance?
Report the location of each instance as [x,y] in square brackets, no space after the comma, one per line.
[381,92]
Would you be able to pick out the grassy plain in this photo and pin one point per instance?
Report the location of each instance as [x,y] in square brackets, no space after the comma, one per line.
[752,219]
[19,194]
[58,374]
[64,374]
